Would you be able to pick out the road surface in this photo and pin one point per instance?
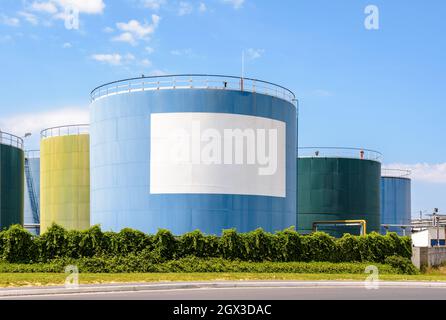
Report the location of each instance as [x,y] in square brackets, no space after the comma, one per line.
[238,291]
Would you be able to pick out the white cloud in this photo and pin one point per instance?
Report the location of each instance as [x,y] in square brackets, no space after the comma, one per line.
[253,54]
[202,7]
[112,59]
[59,9]
[185,8]
[47,7]
[126,37]
[146,63]
[108,30]
[236,4]
[134,30]
[426,172]
[154,4]
[67,45]
[9,21]
[35,122]
[84,6]
[29,17]
[150,50]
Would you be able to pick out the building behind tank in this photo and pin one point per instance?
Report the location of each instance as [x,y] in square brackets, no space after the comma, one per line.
[338,184]
[11,180]
[148,170]
[396,204]
[65,177]
[32,191]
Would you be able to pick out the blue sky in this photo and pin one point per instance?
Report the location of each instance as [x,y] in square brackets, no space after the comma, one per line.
[381,89]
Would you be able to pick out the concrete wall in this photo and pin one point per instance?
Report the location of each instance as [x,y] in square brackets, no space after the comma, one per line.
[428,257]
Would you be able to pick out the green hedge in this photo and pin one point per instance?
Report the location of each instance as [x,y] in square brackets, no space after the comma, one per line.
[139,264]
[19,246]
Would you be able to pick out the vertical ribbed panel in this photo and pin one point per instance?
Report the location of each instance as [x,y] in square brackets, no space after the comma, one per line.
[338,189]
[65,182]
[11,186]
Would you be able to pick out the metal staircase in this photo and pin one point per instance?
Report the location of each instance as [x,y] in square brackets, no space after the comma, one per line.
[32,192]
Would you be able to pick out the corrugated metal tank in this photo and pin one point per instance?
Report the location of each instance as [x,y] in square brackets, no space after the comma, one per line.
[338,184]
[11,180]
[396,204]
[65,178]
[32,191]
[139,178]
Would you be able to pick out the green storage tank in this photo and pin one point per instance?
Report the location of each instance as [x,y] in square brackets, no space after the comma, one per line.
[337,185]
[12,160]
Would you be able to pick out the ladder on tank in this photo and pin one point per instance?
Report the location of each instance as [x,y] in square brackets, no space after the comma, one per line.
[32,193]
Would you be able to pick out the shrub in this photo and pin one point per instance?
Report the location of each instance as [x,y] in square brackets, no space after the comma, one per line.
[258,246]
[402,264]
[53,243]
[230,245]
[17,245]
[165,245]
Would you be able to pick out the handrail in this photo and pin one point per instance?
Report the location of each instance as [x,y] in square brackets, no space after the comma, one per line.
[69,130]
[192,81]
[339,152]
[395,173]
[362,223]
[11,140]
[32,154]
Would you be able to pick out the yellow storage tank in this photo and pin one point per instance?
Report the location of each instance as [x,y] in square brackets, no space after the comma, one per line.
[65,177]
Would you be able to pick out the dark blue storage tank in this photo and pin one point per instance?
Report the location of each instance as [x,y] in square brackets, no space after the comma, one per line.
[396,206]
[193,152]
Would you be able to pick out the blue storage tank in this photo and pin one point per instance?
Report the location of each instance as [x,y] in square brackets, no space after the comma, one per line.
[193,152]
[396,206]
[32,191]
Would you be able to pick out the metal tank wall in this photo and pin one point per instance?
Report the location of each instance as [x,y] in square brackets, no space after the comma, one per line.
[131,187]
[65,178]
[331,189]
[11,180]
[396,204]
[32,191]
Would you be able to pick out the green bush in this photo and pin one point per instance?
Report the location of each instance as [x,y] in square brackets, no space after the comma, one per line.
[17,245]
[404,265]
[137,264]
[257,246]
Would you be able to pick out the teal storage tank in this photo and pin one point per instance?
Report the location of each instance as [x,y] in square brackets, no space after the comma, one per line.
[11,180]
[338,185]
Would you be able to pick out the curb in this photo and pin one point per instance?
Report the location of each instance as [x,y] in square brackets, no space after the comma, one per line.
[207,285]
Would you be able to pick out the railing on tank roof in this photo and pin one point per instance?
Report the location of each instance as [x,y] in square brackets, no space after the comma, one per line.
[11,140]
[395,173]
[70,130]
[32,154]
[335,152]
[192,81]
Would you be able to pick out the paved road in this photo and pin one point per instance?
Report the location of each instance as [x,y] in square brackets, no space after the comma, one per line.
[302,293]
[266,290]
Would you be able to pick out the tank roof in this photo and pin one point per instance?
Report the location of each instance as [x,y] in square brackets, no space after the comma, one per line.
[11,140]
[68,130]
[395,173]
[192,81]
[339,152]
